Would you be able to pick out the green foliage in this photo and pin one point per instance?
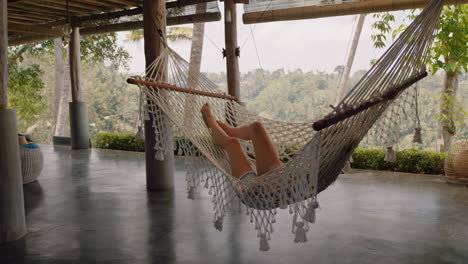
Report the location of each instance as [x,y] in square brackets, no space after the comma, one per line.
[450,49]
[94,49]
[291,96]
[103,48]
[448,53]
[413,160]
[113,103]
[128,142]
[383,27]
[119,141]
[369,159]
[452,111]
[25,89]
[409,160]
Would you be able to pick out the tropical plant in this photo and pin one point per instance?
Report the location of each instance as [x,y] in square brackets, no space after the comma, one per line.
[25,92]
[94,49]
[448,53]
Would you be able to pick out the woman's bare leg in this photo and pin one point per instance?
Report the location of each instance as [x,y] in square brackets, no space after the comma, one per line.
[239,163]
[265,154]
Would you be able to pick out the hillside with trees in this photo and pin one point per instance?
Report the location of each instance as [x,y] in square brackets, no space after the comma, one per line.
[285,95]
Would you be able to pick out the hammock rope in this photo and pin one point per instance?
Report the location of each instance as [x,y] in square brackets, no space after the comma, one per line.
[312,159]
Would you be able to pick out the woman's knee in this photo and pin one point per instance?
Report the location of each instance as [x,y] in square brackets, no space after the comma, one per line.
[257,125]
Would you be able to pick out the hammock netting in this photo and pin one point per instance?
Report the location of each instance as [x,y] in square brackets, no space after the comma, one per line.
[400,118]
[312,160]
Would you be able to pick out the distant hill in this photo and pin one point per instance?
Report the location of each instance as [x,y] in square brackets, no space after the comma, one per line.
[306,96]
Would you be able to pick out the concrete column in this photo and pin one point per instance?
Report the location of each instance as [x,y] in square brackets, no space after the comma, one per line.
[12,217]
[159,174]
[79,125]
[79,128]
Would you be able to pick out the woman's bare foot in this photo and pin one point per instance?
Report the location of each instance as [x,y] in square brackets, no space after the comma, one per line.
[219,135]
[207,115]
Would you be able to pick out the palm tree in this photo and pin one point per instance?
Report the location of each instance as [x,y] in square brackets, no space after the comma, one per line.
[197,46]
[62,88]
[340,93]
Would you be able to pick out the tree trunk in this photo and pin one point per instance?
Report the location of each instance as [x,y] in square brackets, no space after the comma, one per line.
[62,88]
[447,128]
[197,47]
[196,52]
[58,63]
[340,93]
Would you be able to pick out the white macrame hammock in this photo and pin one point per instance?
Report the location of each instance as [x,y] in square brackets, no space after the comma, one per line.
[312,160]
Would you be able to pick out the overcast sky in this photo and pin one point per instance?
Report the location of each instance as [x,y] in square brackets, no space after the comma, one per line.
[314,44]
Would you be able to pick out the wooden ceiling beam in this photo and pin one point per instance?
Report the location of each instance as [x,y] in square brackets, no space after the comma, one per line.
[95,17]
[138,10]
[24,17]
[349,8]
[40,6]
[129,12]
[133,25]
[81,4]
[105,3]
[15,27]
[39,11]
[32,16]
[20,21]
[125,26]
[111,15]
[181,3]
[123,2]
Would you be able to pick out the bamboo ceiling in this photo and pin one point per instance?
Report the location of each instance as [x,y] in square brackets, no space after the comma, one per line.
[29,20]
[261,11]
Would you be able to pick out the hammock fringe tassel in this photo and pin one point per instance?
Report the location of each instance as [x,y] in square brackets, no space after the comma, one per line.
[417,137]
[390,155]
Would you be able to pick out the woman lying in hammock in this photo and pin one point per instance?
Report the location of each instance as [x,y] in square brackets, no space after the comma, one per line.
[228,137]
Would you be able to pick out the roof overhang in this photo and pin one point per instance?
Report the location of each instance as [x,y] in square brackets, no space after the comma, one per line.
[38,20]
[328,9]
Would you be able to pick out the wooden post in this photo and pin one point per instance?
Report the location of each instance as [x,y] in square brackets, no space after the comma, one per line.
[75,65]
[230,32]
[12,216]
[159,174]
[3,55]
[79,130]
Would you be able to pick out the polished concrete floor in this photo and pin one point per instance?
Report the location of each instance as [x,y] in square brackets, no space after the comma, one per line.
[92,207]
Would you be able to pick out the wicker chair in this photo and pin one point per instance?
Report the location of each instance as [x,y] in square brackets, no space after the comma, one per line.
[32,162]
[456,164]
